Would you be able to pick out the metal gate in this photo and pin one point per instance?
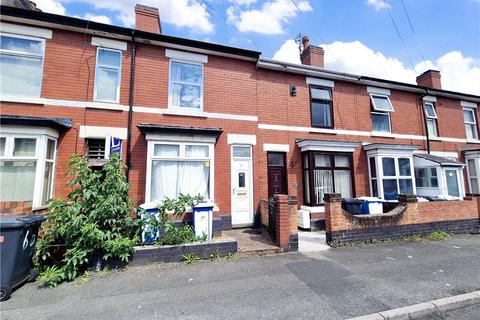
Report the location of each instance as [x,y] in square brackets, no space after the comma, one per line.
[272,212]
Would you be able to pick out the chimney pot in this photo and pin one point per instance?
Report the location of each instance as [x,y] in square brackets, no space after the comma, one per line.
[431,79]
[311,55]
[147,19]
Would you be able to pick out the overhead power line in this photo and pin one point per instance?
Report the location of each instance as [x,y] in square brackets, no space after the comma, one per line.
[399,34]
[413,31]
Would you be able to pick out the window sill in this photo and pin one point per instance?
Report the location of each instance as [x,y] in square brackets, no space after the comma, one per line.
[22,99]
[434,138]
[382,134]
[473,141]
[184,112]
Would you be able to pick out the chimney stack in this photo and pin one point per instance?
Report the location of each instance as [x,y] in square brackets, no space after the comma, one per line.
[311,55]
[430,79]
[147,19]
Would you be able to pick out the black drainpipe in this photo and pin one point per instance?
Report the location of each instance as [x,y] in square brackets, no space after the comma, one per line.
[425,120]
[130,105]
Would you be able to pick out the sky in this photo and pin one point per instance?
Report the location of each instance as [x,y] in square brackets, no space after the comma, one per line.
[390,39]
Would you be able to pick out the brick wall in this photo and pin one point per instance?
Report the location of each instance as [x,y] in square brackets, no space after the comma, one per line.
[15,208]
[408,218]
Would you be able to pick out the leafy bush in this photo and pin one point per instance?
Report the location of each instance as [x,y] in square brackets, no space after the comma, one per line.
[177,235]
[438,235]
[94,222]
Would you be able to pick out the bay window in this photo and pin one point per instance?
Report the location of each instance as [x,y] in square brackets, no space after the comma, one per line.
[108,75]
[176,168]
[21,65]
[326,173]
[391,176]
[27,164]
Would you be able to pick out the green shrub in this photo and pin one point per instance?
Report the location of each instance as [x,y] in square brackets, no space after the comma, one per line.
[177,235]
[438,235]
[94,222]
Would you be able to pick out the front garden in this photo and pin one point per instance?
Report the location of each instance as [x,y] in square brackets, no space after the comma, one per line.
[97,226]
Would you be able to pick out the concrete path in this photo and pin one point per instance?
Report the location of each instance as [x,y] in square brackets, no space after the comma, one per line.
[333,284]
[312,241]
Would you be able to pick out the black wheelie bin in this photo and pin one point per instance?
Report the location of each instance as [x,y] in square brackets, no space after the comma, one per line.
[18,235]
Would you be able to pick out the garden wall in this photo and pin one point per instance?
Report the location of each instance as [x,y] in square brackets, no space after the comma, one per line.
[408,218]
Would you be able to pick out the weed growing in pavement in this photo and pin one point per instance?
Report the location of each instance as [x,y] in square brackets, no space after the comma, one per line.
[438,235]
[230,256]
[82,280]
[215,256]
[190,258]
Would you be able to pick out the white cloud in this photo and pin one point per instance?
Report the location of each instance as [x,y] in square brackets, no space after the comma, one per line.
[50,6]
[245,2]
[181,13]
[459,73]
[97,18]
[378,4]
[269,19]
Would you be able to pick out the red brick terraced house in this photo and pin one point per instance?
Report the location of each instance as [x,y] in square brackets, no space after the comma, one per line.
[202,118]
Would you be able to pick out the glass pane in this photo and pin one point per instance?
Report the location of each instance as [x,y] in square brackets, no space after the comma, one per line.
[380,122]
[434,182]
[472,170]
[322,160]
[47,182]
[50,149]
[107,82]
[404,166]
[170,178]
[321,114]
[20,75]
[432,127]
[406,186]
[306,186]
[24,147]
[322,184]
[420,177]
[343,183]
[17,179]
[241,179]
[109,58]
[433,172]
[186,73]
[275,159]
[430,110]
[474,185]
[3,141]
[166,150]
[468,116]
[452,183]
[193,151]
[382,103]
[32,47]
[305,160]
[322,94]
[390,190]
[244,152]
[342,161]
[373,167]
[388,166]
[185,96]
[374,188]
[471,130]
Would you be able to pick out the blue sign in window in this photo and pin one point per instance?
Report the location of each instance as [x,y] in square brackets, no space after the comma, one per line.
[115,145]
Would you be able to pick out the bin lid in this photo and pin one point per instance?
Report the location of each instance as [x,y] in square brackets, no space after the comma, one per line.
[351,201]
[12,222]
[206,204]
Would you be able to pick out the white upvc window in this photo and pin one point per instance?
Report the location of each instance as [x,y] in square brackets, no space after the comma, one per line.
[391,176]
[473,165]
[175,168]
[21,65]
[382,106]
[431,115]
[27,167]
[108,72]
[185,85]
[470,123]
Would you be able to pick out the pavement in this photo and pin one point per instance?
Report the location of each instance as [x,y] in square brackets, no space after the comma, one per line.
[333,284]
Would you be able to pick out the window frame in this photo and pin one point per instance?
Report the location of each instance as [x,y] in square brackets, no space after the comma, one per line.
[311,167]
[40,159]
[431,119]
[22,54]
[181,157]
[428,177]
[476,163]
[109,67]
[170,85]
[389,122]
[380,176]
[330,103]
[374,106]
[472,124]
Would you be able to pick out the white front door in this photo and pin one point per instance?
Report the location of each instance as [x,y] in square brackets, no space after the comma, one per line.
[242,186]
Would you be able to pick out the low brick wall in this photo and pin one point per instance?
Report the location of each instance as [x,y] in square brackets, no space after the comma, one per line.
[408,218]
[16,208]
[151,254]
